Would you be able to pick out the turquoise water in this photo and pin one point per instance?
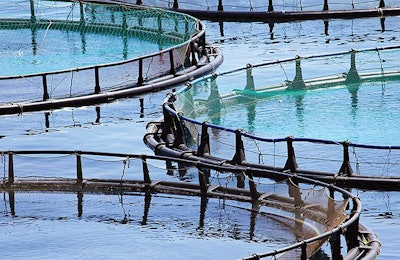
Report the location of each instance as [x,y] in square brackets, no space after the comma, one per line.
[24,52]
[121,127]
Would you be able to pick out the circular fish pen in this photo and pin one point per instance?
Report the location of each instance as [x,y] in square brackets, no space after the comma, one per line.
[57,57]
[321,116]
[278,11]
[307,212]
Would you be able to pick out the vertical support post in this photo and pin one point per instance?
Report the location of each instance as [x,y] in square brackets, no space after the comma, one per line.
[304,251]
[253,187]
[291,163]
[139,2]
[10,168]
[33,16]
[45,91]
[249,78]
[204,147]
[270,6]
[171,62]
[352,75]
[220,6]
[82,13]
[239,157]
[159,20]
[146,175]
[298,82]
[140,77]
[79,175]
[192,50]
[326,7]
[336,245]
[352,233]
[97,80]
[381,3]
[176,4]
[202,180]
[345,169]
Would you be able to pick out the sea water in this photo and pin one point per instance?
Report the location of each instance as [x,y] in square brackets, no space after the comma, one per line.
[121,127]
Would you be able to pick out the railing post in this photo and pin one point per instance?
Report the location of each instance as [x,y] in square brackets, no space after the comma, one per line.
[253,187]
[32,5]
[45,91]
[79,175]
[176,4]
[10,168]
[239,157]
[352,76]
[352,233]
[82,13]
[326,7]
[202,180]
[140,77]
[291,163]
[381,4]
[345,169]
[249,78]
[204,147]
[304,251]
[220,6]
[97,80]
[139,2]
[336,245]
[171,63]
[146,175]
[194,60]
[270,6]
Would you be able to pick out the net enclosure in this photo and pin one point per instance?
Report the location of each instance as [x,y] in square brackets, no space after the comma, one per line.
[67,49]
[328,116]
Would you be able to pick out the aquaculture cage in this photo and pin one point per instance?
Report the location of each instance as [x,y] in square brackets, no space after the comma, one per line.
[326,116]
[278,10]
[307,212]
[62,53]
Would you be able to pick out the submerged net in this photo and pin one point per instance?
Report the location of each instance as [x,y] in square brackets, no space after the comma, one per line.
[62,49]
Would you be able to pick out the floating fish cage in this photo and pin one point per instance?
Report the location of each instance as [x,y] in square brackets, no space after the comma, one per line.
[309,211]
[328,117]
[55,51]
[278,10]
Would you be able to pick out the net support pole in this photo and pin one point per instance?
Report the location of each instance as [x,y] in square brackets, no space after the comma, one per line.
[381,3]
[10,168]
[291,163]
[336,246]
[171,63]
[304,251]
[220,6]
[79,175]
[139,2]
[298,82]
[176,4]
[202,181]
[270,6]
[204,147]
[32,6]
[45,91]
[253,187]
[97,80]
[326,7]
[352,76]
[140,77]
[82,13]
[193,53]
[145,168]
[249,78]
[345,169]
